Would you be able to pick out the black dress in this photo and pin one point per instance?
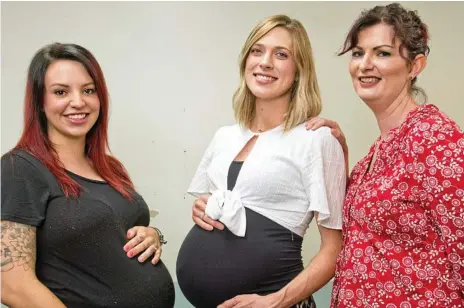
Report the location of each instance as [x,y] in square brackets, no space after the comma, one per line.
[80,255]
[214,266]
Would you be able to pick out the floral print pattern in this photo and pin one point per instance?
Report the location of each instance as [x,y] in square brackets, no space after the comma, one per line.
[403,225]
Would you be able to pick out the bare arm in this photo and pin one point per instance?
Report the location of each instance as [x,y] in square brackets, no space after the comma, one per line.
[20,286]
[318,272]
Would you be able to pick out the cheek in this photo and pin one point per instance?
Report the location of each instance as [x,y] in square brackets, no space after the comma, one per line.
[352,68]
[289,71]
[394,73]
[95,104]
[250,63]
[53,106]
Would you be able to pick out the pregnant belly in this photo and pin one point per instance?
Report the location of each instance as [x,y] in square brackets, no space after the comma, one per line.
[213,266]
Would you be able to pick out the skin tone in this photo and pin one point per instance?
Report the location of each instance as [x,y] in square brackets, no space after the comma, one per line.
[270,73]
[381,77]
[71,106]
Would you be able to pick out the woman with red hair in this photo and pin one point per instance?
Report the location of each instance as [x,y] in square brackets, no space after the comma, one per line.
[72,222]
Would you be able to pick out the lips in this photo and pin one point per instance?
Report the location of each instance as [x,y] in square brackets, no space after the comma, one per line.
[77,116]
[264,77]
[369,79]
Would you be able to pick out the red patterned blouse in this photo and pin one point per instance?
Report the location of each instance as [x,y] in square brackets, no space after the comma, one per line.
[403,221]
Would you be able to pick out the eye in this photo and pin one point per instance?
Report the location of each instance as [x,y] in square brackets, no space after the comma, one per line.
[282,55]
[384,54]
[255,51]
[90,91]
[356,53]
[59,92]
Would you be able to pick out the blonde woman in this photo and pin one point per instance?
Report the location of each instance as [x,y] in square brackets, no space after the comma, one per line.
[261,182]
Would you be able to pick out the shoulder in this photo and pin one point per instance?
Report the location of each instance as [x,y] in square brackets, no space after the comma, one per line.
[20,163]
[432,128]
[321,137]
[224,133]
[229,130]
[314,144]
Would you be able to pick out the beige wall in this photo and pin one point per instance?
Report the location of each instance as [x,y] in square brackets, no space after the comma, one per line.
[172,68]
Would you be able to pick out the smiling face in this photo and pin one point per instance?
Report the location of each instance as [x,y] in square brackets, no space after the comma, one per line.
[270,68]
[71,103]
[378,70]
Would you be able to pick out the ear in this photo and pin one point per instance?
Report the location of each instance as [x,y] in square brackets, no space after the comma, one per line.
[417,65]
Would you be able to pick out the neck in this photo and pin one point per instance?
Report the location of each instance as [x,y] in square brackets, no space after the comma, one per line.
[270,113]
[71,152]
[392,115]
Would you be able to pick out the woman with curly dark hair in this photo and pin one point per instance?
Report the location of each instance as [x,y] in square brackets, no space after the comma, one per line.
[403,221]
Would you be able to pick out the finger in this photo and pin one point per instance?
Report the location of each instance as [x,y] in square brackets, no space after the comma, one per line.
[310,122]
[132,231]
[157,256]
[139,248]
[199,205]
[147,253]
[197,213]
[133,242]
[204,198]
[336,133]
[202,224]
[216,224]
[320,123]
[229,303]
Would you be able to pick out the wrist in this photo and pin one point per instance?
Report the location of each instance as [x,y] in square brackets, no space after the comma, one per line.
[160,235]
[278,299]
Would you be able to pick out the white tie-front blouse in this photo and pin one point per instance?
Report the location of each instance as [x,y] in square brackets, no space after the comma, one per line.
[286,177]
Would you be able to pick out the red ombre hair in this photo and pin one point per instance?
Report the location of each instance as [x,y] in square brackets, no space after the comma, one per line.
[35,139]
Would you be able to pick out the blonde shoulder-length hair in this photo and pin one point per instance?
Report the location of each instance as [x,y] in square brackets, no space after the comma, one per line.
[305,97]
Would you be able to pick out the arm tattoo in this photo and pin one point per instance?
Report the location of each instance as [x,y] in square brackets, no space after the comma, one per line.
[18,246]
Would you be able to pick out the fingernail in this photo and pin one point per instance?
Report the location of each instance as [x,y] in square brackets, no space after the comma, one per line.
[130,254]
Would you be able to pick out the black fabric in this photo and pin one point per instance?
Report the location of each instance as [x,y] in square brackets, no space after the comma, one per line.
[234,170]
[80,255]
[214,266]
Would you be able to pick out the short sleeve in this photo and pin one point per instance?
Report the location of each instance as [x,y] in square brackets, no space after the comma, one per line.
[25,192]
[200,182]
[324,179]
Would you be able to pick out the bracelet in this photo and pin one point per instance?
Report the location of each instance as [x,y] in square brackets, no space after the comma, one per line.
[161,236]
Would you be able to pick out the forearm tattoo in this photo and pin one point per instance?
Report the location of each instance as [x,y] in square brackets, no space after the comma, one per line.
[18,246]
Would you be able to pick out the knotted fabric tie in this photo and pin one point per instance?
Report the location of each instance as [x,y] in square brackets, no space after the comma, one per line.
[226,206]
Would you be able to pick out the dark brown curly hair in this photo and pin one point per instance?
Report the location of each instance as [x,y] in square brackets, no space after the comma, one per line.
[407,25]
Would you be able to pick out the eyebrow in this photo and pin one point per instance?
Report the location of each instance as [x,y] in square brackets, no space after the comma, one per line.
[66,86]
[376,47]
[276,47]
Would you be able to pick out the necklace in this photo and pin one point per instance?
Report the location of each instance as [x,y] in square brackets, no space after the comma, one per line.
[261,130]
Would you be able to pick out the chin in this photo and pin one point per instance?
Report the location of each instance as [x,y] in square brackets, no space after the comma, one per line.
[77,134]
[266,94]
[367,96]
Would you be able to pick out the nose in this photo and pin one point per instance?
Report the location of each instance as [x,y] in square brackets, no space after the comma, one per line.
[366,63]
[77,101]
[266,61]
